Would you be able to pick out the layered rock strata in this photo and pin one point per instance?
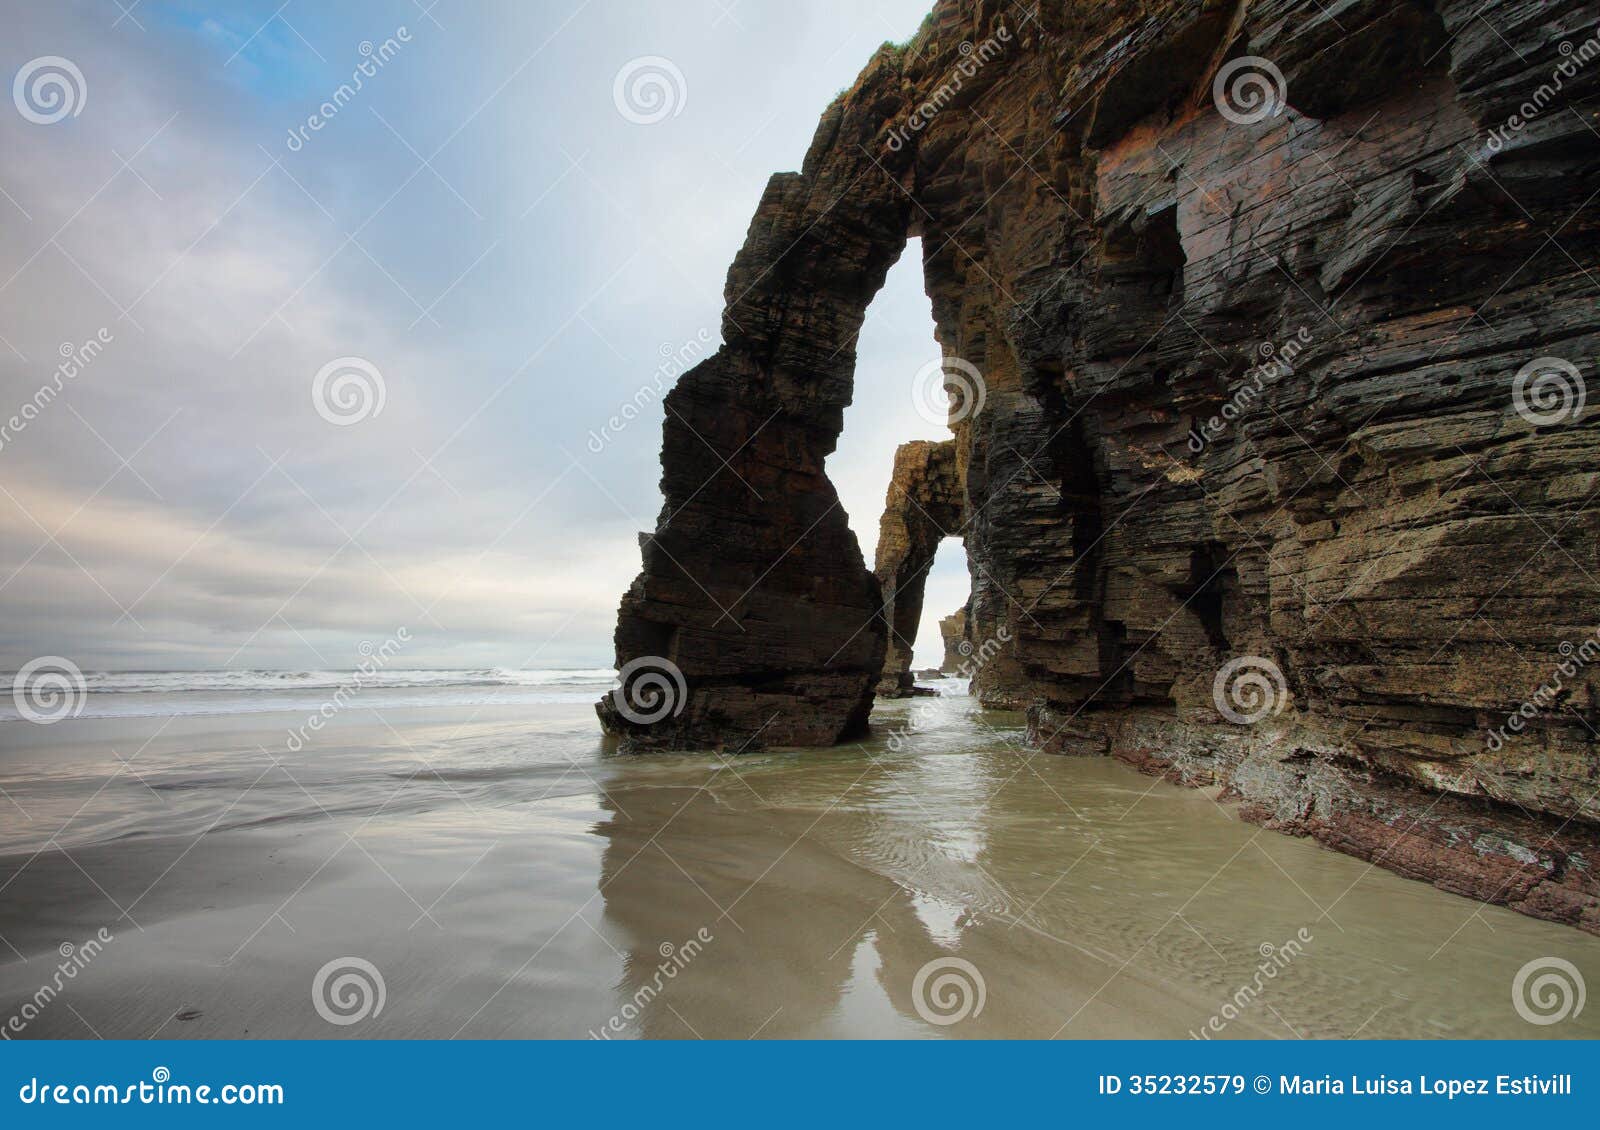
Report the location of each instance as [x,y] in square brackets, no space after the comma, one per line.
[1283,313]
[922,508]
[953,634]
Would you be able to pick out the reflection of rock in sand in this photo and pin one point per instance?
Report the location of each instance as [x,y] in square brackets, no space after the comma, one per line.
[678,861]
[525,886]
[819,925]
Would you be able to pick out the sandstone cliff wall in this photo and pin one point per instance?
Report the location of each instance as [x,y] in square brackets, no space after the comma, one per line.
[953,632]
[1266,309]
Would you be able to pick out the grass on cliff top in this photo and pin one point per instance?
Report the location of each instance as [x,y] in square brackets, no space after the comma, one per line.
[898,49]
[924,26]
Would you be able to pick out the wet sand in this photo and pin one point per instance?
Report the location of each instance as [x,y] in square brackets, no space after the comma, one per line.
[508,877]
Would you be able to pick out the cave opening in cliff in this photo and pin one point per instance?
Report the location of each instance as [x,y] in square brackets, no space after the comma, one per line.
[1212,581]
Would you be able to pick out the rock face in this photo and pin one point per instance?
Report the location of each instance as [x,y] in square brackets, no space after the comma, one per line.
[923,507]
[754,591]
[953,632]
[1281,478]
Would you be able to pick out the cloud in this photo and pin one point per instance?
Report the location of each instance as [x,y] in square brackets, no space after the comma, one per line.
[479,225]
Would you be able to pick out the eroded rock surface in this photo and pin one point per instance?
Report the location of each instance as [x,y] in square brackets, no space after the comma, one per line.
[922,508]
[953,633]
[1258,387]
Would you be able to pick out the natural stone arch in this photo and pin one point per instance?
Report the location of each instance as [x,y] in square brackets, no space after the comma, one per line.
[1116,251]
[923,507]
[754,599]
[754,587]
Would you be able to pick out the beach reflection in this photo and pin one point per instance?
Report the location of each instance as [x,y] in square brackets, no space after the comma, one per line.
[510,876]
[1067,898]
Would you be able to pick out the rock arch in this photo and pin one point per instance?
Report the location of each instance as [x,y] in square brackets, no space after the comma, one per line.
[754,588]
[1227,386]
[922,508]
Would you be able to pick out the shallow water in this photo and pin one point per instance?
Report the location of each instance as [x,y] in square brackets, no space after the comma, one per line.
[505,875]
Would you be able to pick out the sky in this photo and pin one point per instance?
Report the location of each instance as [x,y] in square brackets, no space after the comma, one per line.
[315,377]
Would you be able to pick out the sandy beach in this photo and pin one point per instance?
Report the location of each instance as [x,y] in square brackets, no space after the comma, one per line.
[506,876]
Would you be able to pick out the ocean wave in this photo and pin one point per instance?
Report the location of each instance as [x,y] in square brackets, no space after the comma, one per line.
[310,702]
